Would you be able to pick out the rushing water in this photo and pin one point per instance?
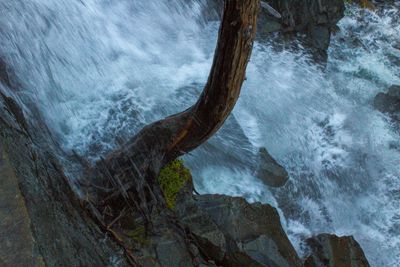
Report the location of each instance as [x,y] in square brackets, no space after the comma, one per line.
[101,69]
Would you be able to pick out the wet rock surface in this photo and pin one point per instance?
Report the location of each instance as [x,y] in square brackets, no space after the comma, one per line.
[270,171]
[333,251]
[16,234]
[42,221]
[254,229]
[315,20]
[233,232]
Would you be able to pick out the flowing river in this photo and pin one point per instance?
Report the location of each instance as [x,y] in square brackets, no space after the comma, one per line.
[98,70]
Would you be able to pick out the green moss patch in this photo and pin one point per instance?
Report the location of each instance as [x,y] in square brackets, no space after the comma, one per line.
[172,179]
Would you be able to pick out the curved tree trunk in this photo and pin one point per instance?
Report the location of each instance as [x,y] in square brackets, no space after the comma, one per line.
[135,165]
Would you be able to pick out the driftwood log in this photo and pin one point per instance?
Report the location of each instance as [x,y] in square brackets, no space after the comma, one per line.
[132,169]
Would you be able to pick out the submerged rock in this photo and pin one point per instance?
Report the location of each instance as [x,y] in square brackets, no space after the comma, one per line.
[389,102]
[270,171]
[333,251]
[394,91]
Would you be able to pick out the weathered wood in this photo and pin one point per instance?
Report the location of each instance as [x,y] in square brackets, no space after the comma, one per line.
[139,160]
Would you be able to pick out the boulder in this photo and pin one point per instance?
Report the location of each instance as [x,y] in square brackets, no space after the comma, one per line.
[270,171]
[233,232]
[253,235]
[333,251]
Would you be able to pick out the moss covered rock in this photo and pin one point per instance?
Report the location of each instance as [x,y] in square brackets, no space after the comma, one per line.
[173,177]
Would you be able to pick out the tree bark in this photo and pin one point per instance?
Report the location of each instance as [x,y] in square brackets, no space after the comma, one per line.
[136,164]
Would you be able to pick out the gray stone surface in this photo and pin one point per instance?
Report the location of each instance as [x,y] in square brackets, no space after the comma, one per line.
[42,222]
[252,232]
[333,251]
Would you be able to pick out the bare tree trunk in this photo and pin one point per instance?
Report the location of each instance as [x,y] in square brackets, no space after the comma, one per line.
[135,166]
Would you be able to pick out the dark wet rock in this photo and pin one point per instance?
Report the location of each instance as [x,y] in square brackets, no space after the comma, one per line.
[7,76]
[235,233]
[4,75]
[43,224]
[394,91]
[16,111]
[16,233]
[232,232]
[303,15]
[317,20]
[389,102]
[333,251]
[270,171]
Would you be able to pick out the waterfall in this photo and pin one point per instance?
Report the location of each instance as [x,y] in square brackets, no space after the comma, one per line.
[101,69]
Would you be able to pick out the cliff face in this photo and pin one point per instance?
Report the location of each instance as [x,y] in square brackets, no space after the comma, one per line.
[42,221]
